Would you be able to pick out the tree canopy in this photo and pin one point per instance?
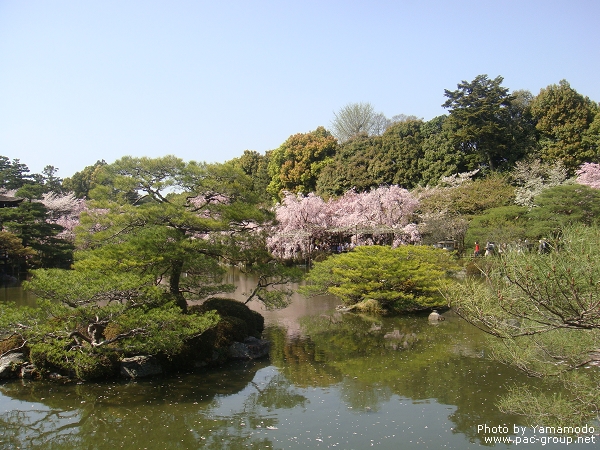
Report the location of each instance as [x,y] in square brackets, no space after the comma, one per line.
[183,221]
[563,117]
[296,164]
[480,118]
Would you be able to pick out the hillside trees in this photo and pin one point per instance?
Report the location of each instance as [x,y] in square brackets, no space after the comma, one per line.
[365,162]
[401,150]
[439,157]
[255,166]
[350,167]
[83,181]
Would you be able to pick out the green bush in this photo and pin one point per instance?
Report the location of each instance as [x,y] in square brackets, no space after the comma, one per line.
[83,365]
[403,279]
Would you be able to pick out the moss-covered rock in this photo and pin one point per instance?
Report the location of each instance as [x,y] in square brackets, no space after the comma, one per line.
[226,307]
[237,322]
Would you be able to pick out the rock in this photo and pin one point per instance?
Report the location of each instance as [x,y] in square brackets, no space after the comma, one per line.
[140,367]
[10,365]
[251,348]
[435,316]
[28,371]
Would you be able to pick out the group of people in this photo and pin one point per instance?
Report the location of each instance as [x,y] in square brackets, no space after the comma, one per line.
[490,248]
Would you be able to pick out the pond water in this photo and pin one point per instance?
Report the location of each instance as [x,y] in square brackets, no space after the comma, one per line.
[332,381]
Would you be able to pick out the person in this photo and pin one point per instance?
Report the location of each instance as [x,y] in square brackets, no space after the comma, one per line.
[477,250]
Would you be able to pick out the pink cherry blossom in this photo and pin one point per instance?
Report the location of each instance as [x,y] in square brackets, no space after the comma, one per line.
[589,175]
[380,216]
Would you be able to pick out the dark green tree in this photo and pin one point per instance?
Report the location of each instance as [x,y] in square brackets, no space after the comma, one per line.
[13,174]
[29,222]
[351,167]
[49,180]
[591,138]
[255,166]
[439,156]
[401,151]
[14,255]
[481,119]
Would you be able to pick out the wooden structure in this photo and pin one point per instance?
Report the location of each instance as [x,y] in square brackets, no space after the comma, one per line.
[9,202]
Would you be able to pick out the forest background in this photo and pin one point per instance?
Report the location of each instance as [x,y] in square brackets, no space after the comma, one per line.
[509,147]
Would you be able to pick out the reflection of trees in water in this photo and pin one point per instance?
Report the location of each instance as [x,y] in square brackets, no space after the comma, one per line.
[277,394]
[35,427]
[182,411]
[364,397]
[376,364]
[239,429]
[298,359]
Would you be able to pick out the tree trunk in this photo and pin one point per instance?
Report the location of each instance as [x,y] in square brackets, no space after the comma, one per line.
[176,270]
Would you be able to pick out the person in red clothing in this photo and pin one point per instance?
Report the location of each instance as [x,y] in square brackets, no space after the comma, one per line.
[476,252]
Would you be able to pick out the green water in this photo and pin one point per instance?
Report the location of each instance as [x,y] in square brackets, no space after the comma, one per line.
[332,381]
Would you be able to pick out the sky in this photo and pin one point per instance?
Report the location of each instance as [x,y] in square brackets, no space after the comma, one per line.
[82,81]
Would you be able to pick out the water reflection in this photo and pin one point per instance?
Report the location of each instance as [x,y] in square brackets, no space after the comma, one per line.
[334,380]
[16,294]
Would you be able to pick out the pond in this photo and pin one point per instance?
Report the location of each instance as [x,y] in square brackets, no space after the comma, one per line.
[332,381]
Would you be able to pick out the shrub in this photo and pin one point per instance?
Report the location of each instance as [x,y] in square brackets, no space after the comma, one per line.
[402,279]
[52,357]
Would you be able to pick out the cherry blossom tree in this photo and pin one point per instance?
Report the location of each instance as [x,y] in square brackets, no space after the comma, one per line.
[302,222]
[380,216]
[532,177]
[589,174]
[377,216]
[64,210]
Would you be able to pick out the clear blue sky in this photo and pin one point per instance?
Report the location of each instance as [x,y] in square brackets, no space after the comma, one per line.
[85,80]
